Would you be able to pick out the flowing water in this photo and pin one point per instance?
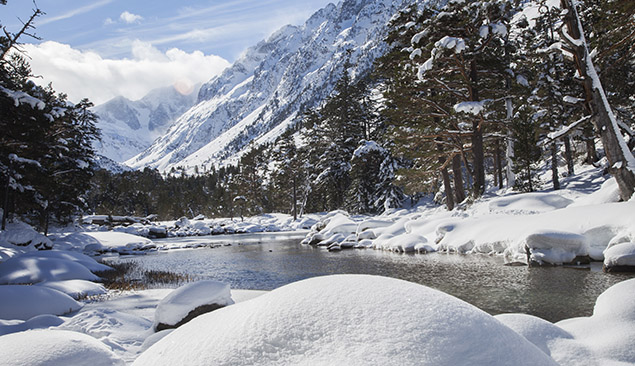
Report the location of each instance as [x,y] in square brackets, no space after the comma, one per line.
[266,261]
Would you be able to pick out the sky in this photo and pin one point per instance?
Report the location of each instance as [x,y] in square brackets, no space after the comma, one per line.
[105,48]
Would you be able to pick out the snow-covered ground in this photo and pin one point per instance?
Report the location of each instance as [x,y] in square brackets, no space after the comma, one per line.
[53,312]
[574,224]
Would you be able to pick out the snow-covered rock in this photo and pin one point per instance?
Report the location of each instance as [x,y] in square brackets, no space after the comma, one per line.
[610,331]
[80,258]
[25,302]
[556,247]
[55,348]
[620,257]
[24,269]
[550,338]
[37,322]
[118,242]
[22,235]
[346,320]
[76,289]
[189,301]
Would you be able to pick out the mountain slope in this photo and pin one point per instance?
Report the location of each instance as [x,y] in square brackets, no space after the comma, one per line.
[129,127]
[264,90]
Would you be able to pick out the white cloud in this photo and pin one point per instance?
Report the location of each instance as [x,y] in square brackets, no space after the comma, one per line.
[83,74]
[130,18]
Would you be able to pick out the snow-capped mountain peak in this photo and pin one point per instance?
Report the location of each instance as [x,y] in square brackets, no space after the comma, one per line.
[271,84]
[129,127]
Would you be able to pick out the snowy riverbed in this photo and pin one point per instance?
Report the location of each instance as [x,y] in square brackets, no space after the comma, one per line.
[66,317]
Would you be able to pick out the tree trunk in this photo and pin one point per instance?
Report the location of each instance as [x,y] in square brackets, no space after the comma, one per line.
[5,203]
[295,199]
[498,176]
[477,139]
[589,142]
[446,181]
[621,160]
[448,188]
[459,192]
[554,166]
[568,155]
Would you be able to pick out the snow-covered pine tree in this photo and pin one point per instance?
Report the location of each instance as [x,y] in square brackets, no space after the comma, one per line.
[45,145]
[459,53]
[620,158]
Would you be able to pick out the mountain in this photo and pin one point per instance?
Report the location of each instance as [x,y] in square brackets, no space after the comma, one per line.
[129,127]
[271,84]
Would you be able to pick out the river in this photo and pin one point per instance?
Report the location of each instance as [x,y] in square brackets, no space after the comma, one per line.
[266,261]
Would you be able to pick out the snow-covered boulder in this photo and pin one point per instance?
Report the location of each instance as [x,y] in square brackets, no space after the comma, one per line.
[55,347]
[23,235]
[620,258]
[80,258]
[109,241]
[25,302]
[405,243]
[37,322]
[529,203]
[346,320]
[76,289]
[24,269]
[340,224]
[556,247]
[190,301]
[610,331]
[550,338]
[157,231]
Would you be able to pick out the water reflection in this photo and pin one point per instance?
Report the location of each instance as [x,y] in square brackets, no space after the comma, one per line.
[552,293]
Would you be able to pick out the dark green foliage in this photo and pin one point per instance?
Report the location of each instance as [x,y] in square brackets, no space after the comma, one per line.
[526,151]
[146,192]
[46,143]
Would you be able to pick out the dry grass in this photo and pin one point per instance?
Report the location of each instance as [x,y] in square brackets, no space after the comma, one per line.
[130,276]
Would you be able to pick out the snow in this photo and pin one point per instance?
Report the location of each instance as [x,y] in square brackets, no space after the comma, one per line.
[180,302]
[76,289]
[622,254]
[23,98]
[26,269]
[470,107]
[367,147]
[37,322]
[555,227]
[25,302]
[55,348]
[346,319]
[609,332]
[556,247]
[19,234]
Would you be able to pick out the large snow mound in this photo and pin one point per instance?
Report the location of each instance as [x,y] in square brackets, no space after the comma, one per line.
[37,322]
[529,203]
[180,302]
[23,235]
[115,241]
[622,254]
[25,302]
[24,269]
[346,320]
[76,288]
[610,331]
[55,348]
[82,259]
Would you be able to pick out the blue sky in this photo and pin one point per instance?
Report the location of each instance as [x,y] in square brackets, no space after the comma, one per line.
[112,41]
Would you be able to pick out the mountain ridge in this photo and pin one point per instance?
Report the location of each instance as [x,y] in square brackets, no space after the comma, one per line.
[268,87]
